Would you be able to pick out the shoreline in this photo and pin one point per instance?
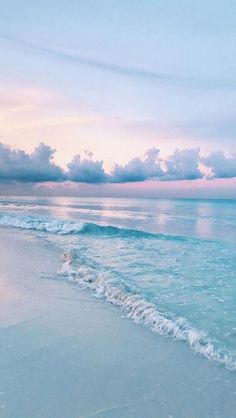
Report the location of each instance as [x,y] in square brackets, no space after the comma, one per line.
[67,354]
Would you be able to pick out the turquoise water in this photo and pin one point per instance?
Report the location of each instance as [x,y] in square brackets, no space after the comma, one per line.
[167,264]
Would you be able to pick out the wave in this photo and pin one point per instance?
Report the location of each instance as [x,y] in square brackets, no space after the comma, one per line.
[80,272]
[77,271]
[62,227]
[37,224]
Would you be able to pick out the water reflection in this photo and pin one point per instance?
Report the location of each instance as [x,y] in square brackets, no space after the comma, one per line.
[201,218]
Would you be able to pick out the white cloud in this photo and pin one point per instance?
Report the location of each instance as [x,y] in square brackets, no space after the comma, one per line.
[183,165]
[35,167]
[86,170]
[221,165]
[139,169]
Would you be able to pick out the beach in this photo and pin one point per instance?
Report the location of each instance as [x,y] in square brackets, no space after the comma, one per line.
[66,353]
[117,209]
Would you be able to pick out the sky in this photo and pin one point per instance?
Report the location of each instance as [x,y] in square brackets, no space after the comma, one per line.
[128,97]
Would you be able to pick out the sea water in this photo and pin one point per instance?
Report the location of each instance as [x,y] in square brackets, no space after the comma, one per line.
[169,265]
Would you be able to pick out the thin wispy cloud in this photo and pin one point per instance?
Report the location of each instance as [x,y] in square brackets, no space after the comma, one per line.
[204,82]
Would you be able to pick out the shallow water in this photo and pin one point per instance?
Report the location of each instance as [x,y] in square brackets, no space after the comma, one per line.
[168,264]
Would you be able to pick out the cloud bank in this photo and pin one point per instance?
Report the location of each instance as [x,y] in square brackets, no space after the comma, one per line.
[186,164]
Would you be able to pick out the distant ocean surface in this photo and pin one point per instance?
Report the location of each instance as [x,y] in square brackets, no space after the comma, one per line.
[167,264]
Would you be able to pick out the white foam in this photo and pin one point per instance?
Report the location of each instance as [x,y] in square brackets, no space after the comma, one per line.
[38,224]
[142,311]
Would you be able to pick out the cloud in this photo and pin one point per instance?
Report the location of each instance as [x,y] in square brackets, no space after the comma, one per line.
[183,165]
[182,80]
[221,166]
[186,164]
[90,62]
[139,170]
[216,127]
[35,167]
[86,170]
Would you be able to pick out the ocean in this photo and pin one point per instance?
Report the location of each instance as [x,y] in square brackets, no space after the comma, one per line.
[169,265]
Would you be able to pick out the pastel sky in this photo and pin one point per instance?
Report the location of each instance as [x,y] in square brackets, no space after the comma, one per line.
[118,78]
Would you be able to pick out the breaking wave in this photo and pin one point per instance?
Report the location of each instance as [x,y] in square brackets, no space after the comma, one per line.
[38,224]
[100,281]
[79,273]
[62,227]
